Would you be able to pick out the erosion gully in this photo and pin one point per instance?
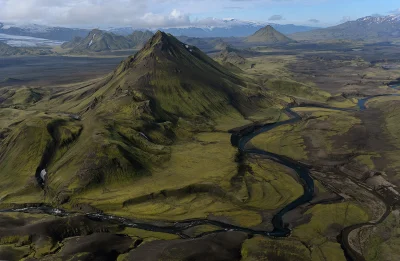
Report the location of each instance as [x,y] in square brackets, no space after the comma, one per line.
[240,140]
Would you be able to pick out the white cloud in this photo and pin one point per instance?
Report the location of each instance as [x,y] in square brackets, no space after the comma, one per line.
[80,12]
[135,13]
[175,18]
[276,18]
[345,19]
[314,21]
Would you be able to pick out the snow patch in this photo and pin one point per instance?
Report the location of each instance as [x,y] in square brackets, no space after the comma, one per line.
[380,19]
[91,41]
[35,28]
[43,174]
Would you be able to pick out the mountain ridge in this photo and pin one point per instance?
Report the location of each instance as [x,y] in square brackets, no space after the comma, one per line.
[99,41]
[220,28]
[369,28]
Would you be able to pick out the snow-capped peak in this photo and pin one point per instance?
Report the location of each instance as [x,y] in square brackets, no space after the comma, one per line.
[380,19]
[32,28]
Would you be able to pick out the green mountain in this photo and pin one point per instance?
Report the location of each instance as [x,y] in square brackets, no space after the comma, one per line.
[268,35]
[139,38]
[230,55]
[220,44]
[98,41]
[73,43]
[119,128]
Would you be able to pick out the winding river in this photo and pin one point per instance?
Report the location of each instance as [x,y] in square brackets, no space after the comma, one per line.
[240,140]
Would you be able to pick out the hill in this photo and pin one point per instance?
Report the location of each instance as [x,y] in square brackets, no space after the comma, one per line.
[73,43]
[268,35]
[368,28]
[185,66]
[229,55]
[7,50]
[120,128]
[98,41]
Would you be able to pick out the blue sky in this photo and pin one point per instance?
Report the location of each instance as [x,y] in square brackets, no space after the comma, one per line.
[175,13]
[327,12]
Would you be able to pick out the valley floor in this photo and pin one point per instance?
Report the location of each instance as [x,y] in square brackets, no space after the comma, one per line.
[352,156]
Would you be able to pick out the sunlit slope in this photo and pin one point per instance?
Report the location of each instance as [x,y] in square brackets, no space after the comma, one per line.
[121,127]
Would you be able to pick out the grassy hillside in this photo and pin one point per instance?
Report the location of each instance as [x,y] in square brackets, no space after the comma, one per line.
[98,41]
[139,38]
[121,128]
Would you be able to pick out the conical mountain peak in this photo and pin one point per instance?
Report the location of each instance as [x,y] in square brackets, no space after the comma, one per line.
[179,79]
[268,35]
[164,48]
[161,38]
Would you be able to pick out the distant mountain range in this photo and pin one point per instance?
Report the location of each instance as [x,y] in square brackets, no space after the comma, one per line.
[99,41]
[40,31]
[223,28]
[370,28]
[219,28]
[7,50]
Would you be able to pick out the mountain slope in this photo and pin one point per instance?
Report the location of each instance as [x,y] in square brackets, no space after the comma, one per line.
[268,35]
[73,43]
[139,38]
[6,50]
[97,41]
[171,73]
[371,28]
[229,55]
[117,129]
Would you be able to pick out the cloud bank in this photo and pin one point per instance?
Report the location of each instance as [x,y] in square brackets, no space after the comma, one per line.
[132,13]
[276,18]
